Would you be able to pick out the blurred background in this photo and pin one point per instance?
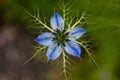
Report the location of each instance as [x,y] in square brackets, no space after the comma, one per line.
[16,40]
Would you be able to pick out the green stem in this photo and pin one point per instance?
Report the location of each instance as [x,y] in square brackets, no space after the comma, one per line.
[80,19]
[35,54]
[39,21]
[89,54]
[64,66]
[74,25]
[64,13]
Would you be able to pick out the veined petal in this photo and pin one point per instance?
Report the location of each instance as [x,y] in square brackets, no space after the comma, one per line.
[57,23]
[72,48]
[54,51]
[45,39]
[76,33]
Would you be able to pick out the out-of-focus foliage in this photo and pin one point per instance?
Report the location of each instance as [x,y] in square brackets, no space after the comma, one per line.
[103,25]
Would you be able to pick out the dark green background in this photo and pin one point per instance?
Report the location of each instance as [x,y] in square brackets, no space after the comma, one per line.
[104,27]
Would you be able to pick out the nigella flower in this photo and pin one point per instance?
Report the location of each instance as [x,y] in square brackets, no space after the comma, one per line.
[60,40]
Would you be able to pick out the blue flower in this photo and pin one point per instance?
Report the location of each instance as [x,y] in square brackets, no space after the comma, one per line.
[60,40]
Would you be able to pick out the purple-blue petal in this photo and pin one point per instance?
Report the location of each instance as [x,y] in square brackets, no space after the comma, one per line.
[72,48]
[45,39]
[57,22]
[76,33]
[54,51]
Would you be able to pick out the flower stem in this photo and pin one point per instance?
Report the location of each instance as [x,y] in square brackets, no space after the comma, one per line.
[74,25]
[89,54]
[35,54]
[64,65]
[39,21]
[64,13]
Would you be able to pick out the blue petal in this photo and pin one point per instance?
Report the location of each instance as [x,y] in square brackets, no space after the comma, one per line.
[72,48]
[45,39]
[57,23]
[76,33]
[54,51]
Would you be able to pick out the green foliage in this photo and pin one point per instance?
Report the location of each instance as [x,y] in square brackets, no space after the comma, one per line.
[100,18]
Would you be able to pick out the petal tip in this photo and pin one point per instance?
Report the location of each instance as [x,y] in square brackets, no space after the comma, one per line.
[82,29]
[49,58]
[78,55]
[57,22]
[55,13]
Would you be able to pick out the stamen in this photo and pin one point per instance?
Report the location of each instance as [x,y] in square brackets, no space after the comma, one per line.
[63,44]
[58,44]
[67,40]
[63,31]
[67,33]
[60,37]
[53,33]
[58,31]
[53,39]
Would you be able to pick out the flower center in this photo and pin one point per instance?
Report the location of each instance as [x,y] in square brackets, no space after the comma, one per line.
[60,38]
